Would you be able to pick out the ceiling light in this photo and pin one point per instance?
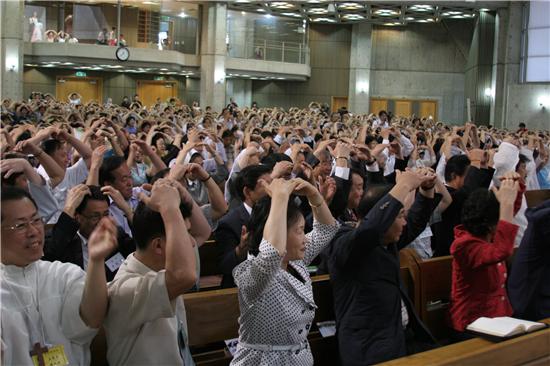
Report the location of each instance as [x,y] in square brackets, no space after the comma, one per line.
[328,20]
[484,9]
[454,12]
[243,12]
[268,16]
[281,5]
[457,17]
[182,14]
[350,6]
[242,1]
[149,3]
[261,10]
[421,8]
[296,15]
[386,12]
[353,16]
[409,18]
[391,24]
[318,11]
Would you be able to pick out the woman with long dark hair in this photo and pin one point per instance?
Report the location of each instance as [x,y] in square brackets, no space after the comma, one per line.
[275,293]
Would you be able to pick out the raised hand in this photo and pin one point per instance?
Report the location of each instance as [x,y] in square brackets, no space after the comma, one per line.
[27,147]
[74,198]
[103,240]
[304,188]
[115,195]
[164,196]
[327,188]
[97,156]
[14,166]
[279,188]
[282,169]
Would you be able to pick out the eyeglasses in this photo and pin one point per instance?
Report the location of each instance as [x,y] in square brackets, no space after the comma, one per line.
[37,223]
[96,217]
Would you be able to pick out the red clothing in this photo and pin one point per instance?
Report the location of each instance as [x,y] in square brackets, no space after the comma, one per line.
[479,275]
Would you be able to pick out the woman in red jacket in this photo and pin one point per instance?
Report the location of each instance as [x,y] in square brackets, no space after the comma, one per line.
[482,244]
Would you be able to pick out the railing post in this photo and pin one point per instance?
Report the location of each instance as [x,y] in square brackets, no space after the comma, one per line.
[300,52]
[265,49]
[283,53]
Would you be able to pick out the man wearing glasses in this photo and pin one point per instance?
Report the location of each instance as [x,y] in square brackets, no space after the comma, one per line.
[48,310]
[84,208]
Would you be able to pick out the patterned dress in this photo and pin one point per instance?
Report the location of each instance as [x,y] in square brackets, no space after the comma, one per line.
[277,309]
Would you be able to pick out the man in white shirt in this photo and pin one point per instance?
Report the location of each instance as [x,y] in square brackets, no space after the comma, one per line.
[48,309]
[146,323]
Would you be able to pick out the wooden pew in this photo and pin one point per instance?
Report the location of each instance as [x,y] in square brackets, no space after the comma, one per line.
[530,349]
[212,317]
[534,198]
[432,289]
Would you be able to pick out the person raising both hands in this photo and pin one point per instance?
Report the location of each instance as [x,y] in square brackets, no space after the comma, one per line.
[275,293]
[482,244]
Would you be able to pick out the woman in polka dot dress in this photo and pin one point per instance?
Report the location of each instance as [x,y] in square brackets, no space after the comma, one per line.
[275,294]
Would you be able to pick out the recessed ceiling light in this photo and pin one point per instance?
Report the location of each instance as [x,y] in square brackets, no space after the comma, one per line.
[409,18]
[328,20]
[484,9]
[243,12]
[454,12]
[268,16]
[318,11]
[386,12]
[182,14]
[149,3]
[281,5]
[350,6]
[295,15]
[353,16]
[261,10]
[421,8]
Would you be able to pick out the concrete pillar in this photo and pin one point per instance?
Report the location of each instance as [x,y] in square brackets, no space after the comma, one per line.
[359,68]
[11,49]
[480,68]
[506,59]
[213,50]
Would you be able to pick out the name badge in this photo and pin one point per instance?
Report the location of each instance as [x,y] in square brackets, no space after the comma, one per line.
[55,356]
[114,262]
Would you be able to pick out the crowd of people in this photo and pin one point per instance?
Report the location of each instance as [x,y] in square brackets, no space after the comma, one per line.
[104,207]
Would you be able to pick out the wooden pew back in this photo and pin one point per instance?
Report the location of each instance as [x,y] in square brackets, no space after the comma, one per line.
[534,198]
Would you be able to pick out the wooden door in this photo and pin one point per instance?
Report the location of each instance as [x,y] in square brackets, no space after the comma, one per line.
[150,90]
[377,105]
[338,102]
[89,88]
[428,108]
[403,108]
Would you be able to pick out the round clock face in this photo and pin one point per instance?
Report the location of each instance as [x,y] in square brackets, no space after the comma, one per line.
[122,54]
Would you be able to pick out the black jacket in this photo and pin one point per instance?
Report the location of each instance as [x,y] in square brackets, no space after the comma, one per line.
[63,244]
[529,285]
[228,237]
[367,286]
[444,230]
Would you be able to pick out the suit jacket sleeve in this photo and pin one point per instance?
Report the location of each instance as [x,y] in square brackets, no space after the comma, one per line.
[529,261]
[418,218]
[59,245]
[352,245]
[339,201]
[228,241]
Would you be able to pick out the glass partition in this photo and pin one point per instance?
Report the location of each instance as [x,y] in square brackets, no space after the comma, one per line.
[266,37]
[162,25]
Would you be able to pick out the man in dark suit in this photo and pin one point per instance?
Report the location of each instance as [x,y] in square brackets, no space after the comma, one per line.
[231,231]
[68,242]
[375,319]
[528,286]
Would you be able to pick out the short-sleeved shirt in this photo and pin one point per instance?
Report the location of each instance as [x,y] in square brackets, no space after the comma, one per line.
[143,326]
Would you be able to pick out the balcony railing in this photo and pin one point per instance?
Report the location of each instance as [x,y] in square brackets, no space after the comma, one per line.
[265,50]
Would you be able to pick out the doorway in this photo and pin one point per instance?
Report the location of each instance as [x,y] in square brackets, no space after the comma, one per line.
[338,102]
[89,88]
[151,90]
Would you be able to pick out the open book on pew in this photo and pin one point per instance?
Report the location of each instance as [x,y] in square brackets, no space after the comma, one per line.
[503,327]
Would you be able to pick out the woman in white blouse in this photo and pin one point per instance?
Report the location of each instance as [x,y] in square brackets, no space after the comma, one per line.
[275,294]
